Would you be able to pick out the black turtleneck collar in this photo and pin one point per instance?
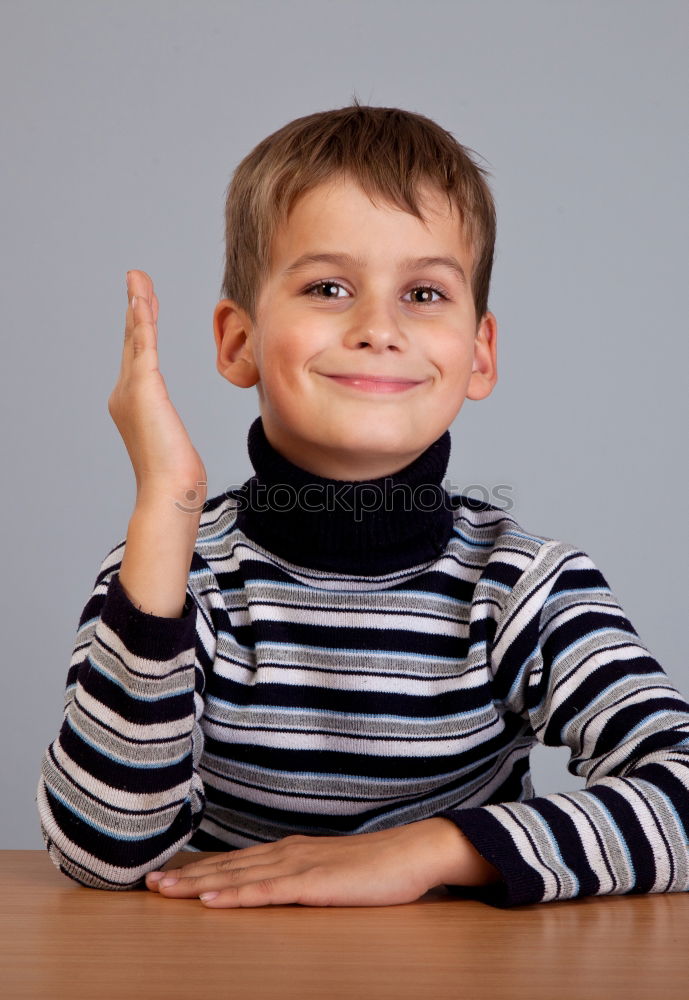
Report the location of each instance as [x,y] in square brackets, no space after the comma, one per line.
[367,527]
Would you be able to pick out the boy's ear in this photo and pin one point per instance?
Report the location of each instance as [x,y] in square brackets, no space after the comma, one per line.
[484,373]
[232,329]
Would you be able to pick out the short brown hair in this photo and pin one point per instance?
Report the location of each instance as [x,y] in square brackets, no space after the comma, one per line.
[389,152]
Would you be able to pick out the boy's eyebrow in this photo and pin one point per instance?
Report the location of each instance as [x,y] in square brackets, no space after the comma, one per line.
[346,259]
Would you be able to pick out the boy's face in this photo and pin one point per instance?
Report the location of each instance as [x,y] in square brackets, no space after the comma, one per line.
[367,315]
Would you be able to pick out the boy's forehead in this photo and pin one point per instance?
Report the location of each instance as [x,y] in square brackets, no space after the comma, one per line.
[338,195]
[341,210]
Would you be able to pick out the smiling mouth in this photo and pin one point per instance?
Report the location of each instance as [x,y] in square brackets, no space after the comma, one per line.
[374,383]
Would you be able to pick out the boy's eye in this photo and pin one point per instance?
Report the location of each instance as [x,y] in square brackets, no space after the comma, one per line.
[313,289]
[425,290]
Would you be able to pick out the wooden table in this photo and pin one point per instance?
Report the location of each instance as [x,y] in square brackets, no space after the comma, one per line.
[61,940]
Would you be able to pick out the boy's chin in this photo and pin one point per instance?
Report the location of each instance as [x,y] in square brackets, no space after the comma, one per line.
[351,449]
[388,438]
[369,459]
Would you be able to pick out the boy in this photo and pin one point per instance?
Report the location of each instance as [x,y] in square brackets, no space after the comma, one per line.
[333,676]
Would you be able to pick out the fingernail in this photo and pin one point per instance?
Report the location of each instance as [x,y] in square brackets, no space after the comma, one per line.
[208,895]
[134,301]
[155,876]
[169,881]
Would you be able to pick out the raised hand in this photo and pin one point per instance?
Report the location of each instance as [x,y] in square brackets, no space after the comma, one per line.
[165,461]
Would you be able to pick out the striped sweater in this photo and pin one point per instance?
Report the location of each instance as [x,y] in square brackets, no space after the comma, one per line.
[347,666]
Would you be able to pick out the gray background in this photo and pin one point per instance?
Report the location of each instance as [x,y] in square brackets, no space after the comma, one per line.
[121,125]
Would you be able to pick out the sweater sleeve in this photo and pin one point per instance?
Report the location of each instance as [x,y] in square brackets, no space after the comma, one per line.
[566,659]
[119,792]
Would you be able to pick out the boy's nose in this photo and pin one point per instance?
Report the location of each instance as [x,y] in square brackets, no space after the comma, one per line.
[378,340]
[384,337]
[377,329]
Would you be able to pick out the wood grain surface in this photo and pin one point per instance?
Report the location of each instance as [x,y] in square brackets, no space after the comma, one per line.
[61,940]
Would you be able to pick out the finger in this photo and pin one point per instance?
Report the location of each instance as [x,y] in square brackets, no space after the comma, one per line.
[279,891]
[188,872]
[140,333]
[140,283]
[195,877]
[192,886]
[225,861]
[153,879]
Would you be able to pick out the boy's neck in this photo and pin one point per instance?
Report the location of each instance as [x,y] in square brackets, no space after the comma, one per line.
[367,527]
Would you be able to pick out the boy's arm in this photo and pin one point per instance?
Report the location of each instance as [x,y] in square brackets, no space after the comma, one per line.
[119,792]
[155,566]
[568,661]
